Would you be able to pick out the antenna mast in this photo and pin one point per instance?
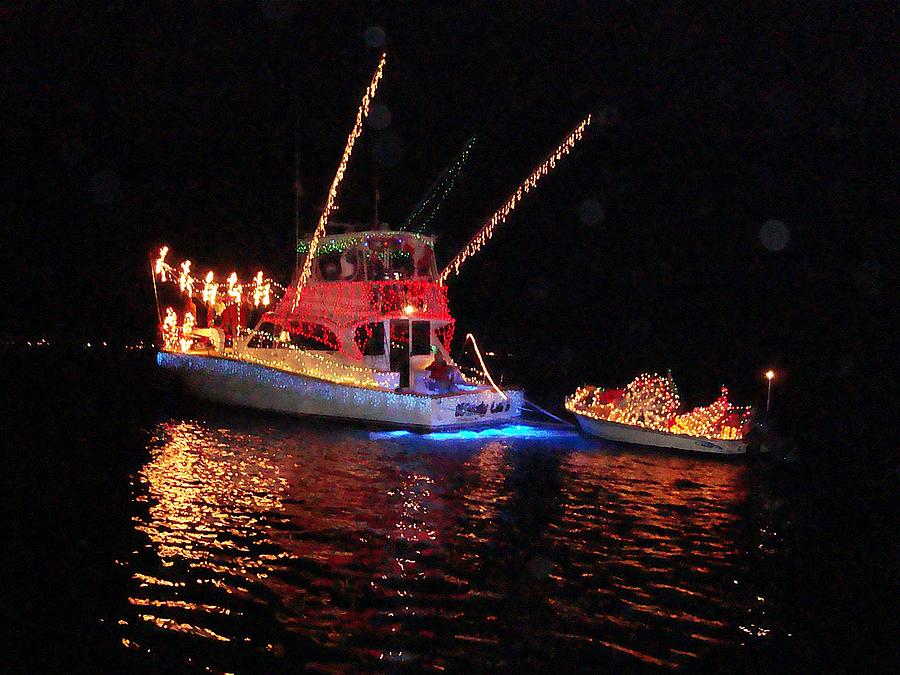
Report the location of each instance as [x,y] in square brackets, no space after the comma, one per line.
[297,189]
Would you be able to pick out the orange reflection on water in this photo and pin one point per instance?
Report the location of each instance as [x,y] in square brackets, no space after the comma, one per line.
[297,540]
[201,486]
[246,514]
[205,490]
[189,629]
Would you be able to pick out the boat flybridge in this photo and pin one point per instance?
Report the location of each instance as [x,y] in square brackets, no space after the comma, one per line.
[362,332]
[356,343]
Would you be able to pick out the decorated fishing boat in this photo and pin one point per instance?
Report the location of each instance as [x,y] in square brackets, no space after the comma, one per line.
[362,332]
[360,341]
[648,412]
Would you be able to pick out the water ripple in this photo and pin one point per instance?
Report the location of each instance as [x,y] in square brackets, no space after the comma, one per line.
[267,546]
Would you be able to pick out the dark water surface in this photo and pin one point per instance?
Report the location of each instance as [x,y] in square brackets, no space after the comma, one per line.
[152,534]
[277,540]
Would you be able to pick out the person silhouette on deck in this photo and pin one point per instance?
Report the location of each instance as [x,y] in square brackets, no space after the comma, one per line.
[442,375]
[190,307]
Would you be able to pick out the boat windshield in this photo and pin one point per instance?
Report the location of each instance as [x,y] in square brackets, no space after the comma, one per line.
[377,257]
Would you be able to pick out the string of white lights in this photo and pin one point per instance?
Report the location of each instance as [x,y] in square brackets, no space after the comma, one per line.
[361,114]
[500,215]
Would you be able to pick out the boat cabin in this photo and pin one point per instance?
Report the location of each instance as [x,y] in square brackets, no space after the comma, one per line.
[373,301]
[374,256]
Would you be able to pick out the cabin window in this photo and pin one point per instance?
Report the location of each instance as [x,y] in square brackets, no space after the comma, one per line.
[376,268]
[370,339]
[329,265]
[263,338]
[399,334]
[401,264]
[352,268]
[421,338]
[313,336]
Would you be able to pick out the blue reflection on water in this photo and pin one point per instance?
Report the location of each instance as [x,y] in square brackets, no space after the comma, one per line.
[509,431]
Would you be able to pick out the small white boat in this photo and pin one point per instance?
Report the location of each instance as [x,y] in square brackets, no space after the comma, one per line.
[626,433]
[648,412]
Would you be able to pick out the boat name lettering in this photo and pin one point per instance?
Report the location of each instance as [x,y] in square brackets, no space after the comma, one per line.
[481,409]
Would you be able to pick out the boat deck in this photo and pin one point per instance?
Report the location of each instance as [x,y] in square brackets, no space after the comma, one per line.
[235,381]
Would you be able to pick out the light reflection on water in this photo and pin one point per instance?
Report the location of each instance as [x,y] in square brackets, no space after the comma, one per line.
[270,544]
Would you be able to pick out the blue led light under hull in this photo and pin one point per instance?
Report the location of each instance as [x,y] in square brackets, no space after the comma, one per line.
[509,431]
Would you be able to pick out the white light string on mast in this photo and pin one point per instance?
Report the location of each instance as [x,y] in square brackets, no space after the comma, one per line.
[361,115]
[500,215]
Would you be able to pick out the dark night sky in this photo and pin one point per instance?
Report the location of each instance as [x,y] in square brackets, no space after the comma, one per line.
[135,124]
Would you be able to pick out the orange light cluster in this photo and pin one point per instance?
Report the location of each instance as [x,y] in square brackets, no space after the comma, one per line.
[187,330]
[210,289]
[185,280]
[170,330]
[709,421]
[234,288]
[175,337]
[652,402]
[261,291]
[355,132]
[159,266]
[500,215]
[263,288]
[178,338]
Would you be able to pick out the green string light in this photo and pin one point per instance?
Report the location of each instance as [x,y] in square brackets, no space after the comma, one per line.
[336,244]
[442,188]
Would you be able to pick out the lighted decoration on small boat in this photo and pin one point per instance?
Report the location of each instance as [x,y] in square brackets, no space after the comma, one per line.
[362,332]
[648,412]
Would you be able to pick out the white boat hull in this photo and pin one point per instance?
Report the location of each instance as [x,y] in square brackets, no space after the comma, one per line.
[240,383]
[624,433]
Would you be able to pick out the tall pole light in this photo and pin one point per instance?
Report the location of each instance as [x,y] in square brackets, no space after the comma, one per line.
[409,310]
[770,375]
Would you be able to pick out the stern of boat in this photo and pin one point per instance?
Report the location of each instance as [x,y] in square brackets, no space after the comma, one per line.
[484,407]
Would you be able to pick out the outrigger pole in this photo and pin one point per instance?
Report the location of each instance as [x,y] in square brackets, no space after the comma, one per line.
[155,292]
[355,132]
[500,215]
